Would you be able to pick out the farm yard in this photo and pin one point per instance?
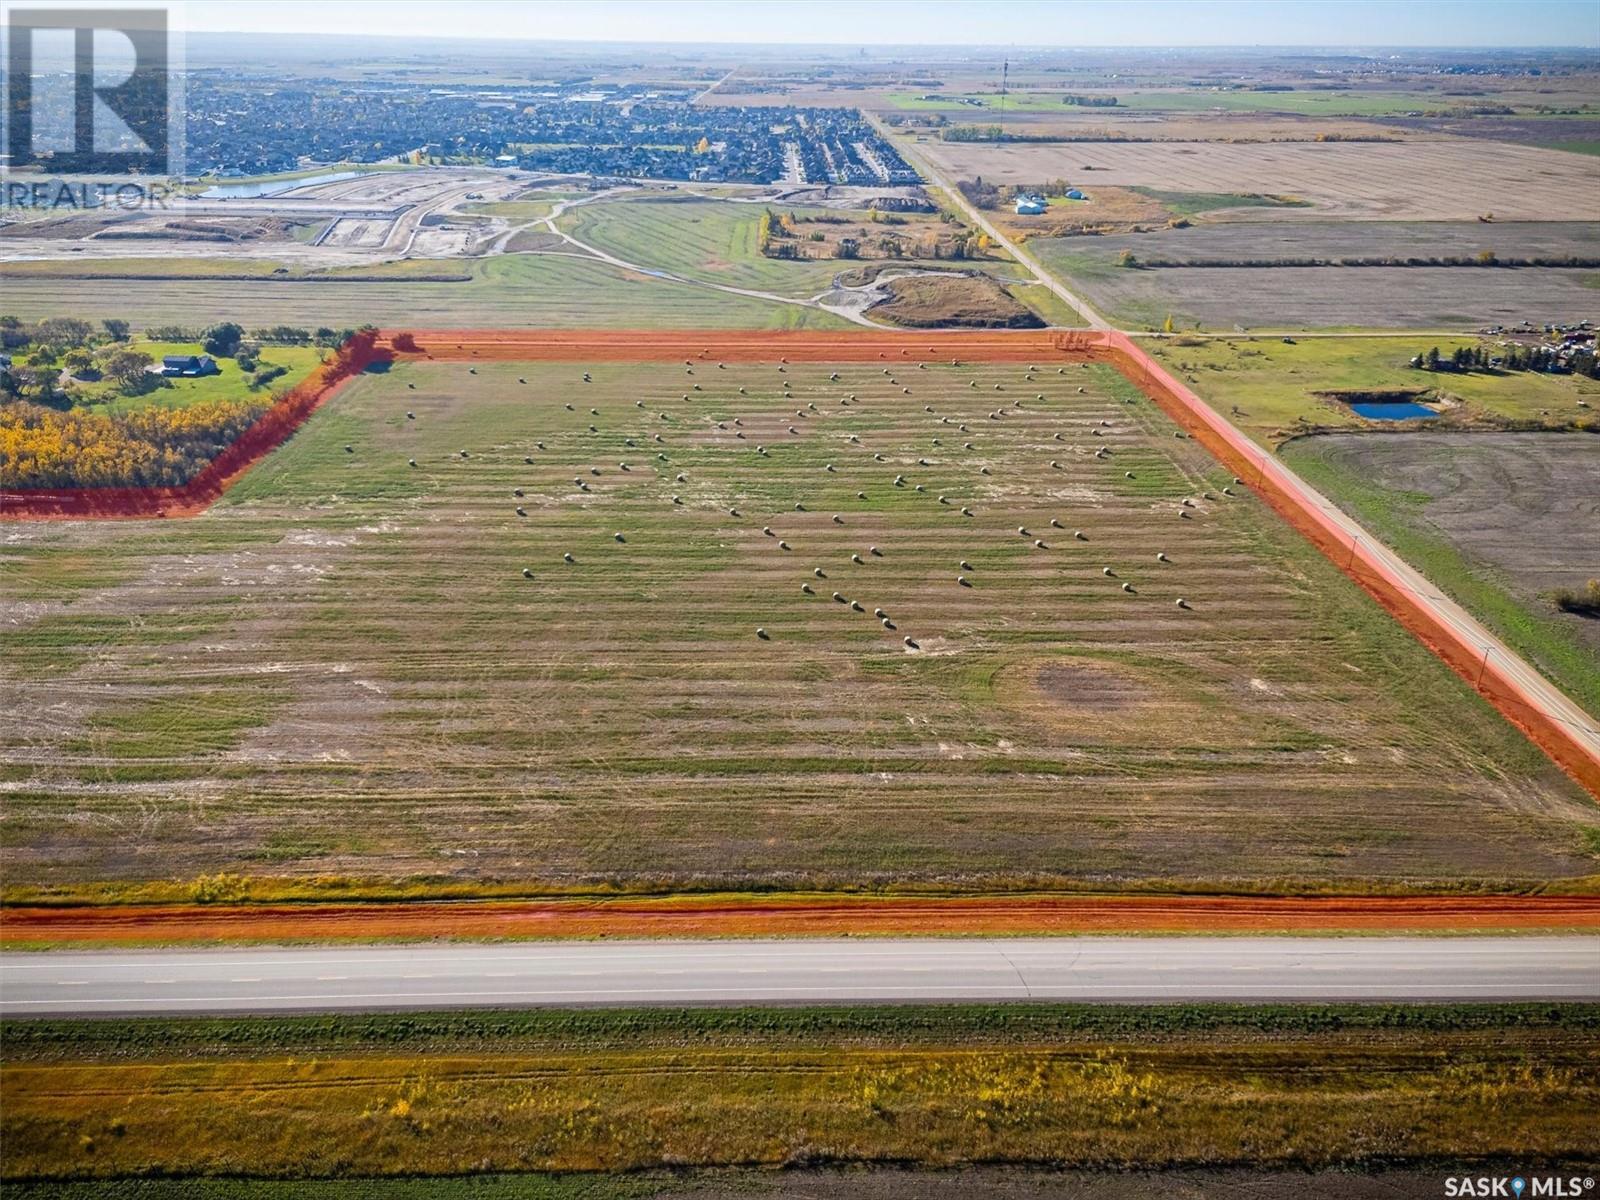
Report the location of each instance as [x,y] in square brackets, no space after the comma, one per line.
[648,625]
[1442,180]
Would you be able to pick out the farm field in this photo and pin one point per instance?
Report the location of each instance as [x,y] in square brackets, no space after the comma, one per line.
[1274,390]
[354,667]
[1214,298]
[1211,293]
[1443,180]
[1499,521]
[1192,1086]
[1313,102]
[508,291]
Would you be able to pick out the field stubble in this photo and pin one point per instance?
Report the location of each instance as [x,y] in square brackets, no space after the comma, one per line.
[343,669]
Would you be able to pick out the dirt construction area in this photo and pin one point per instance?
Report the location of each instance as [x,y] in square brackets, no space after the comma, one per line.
[783,622]
[1444,180]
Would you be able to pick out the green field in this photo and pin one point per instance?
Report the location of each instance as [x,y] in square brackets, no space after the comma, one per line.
[628,1090]
[1269,388]
[231,384]
[508,291]
[342,670]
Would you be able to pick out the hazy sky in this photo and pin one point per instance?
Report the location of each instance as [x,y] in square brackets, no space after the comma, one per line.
[1338,23]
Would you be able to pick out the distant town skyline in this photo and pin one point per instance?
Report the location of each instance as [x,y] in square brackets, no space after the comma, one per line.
[1036,23]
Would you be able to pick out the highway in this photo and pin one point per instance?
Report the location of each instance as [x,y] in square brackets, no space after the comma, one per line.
[1103,969]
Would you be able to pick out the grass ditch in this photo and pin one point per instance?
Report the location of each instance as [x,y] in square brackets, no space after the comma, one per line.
[627,1090]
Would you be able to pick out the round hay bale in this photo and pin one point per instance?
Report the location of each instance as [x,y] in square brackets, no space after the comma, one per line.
[411,416]
[966,512]
[1181,602]
[964,565]
[521,512]
[837,519]
[856,558]
[568,558]
[819,572]
[911,645]
[855,606]
[1080,535]
[807,589]
[762,634]
[783,545]
[1054,524]
[963,581]
[619,537]
[1161,556]
[526,573]
[517,492]
[1127,587]
[349,449]
[839,598]
[412,461]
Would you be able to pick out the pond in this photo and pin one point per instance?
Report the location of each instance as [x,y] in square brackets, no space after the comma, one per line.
[1404,410]
[274,187]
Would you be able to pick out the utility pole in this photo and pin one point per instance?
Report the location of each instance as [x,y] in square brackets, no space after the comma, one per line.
[1005,71]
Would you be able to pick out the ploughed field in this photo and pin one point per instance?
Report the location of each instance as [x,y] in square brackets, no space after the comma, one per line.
[353,666]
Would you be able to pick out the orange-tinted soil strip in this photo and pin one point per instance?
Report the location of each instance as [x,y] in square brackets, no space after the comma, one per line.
[754,917]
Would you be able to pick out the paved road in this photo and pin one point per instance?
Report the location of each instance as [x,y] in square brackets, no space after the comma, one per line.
[732,972]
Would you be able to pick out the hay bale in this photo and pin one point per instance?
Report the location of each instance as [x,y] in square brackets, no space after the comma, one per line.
[819,572]
[966,512]
[526,573]
[517,492]
[1161,556]
[1054,524]
[619,537]
[963,581]
[911,645]
[964,565]
[767,529]
[839,598]
[677,499]
[521,512]
[1022,531]
[412,461]
[856,607]
[879,613]
[411,416]
[733,512]
[856,558]
[762,634]
[1039,545]
[783,545]
[806,588]
[1080,535]
[568,558]
[1181,602]
[349,449]
[837,519]
[1108,572]
[1127,587]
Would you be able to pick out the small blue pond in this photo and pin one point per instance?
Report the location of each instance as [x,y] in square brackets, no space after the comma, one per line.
[1404,410]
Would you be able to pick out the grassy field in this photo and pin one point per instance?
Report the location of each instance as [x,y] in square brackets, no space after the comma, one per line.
[231,384]
[1275,390]
[342,670]
[627,1090]
[502,292]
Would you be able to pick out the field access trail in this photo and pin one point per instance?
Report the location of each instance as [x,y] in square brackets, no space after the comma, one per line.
[752,972]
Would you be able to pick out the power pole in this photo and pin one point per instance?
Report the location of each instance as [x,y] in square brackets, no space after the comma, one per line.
[1005,71]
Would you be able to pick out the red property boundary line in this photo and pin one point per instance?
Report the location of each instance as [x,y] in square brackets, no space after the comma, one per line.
[1551,721]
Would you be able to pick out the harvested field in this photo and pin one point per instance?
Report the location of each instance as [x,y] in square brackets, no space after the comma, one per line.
[1336,297]
[343,669]
[953,301]
[1444,180]
[1498,520]
[1226,279]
